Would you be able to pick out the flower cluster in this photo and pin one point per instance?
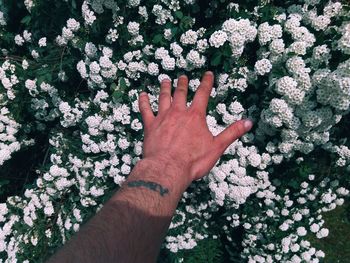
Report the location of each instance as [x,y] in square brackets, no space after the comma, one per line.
[298,214]
[76,82]
[68,32]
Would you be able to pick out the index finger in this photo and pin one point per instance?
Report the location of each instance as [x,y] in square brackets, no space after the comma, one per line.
[201,98]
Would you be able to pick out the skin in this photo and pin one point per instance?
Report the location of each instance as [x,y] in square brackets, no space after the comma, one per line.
[178,148]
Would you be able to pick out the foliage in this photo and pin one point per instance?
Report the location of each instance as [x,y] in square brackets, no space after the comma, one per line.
[70,128]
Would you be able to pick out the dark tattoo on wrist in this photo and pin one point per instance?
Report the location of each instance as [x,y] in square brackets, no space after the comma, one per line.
[150,185]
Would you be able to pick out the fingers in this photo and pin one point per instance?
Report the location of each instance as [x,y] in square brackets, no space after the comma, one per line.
[145,109]
[232,133]
[201,98]
[180,94]
[164,96]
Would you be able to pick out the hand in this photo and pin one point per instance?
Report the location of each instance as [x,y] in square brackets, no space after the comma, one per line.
[179,135]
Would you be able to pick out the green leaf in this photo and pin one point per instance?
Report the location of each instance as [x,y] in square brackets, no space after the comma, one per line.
[179,14]
[186,23]
[40,79]
[294,184]
[113,86]
[174,30]
[157,38]
[216,59]
[227,66]
[207,251]
[26,20]
[74,4]
[227,51]
[122,84]
[117,96]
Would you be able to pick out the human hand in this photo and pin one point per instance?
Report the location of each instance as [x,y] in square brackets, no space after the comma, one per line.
[179,135]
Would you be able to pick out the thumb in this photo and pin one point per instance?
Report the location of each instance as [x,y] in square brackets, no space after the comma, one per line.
[232,133]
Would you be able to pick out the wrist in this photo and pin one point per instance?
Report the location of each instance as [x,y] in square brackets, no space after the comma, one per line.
[154,186]
[165,172]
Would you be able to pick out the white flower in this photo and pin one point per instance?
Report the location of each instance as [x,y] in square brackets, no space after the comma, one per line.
[161,53]
[322,233]
[168,63]
[167,34]
[301,231]
[314,228]
[25,64]
[2,19]
[195,59]
[48,210]
[125,169]
[295,248]
[254,159]
[94,67]
[134,3]
[277,46]
[262,67]
[35,54]
[42,42]
[189,37]
[30,84]
[202,45]
[284,226]
[73,25]
[19,40]
[297,216]
[153,69]
[3,212]
[176,49]
[133,28]
[27,36]
[89,16]
[320,254]
[136,125]
[218,38]
[90,50]
[123,143]
[67,33]
[194,84]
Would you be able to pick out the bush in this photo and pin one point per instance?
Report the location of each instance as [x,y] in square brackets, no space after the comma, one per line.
[71,73]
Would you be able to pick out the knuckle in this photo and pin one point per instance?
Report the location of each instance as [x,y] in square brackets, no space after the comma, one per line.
[204,83]
[182,91]
[163,95]
[143,107]
[165,86]
[201,94]
[196,112]
[142,100]
[220,148]
[176,109]
[238,129]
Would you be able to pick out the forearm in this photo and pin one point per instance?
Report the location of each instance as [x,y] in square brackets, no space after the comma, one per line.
[133,223]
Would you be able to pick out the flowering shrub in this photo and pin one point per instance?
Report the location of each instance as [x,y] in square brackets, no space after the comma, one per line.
[71,71]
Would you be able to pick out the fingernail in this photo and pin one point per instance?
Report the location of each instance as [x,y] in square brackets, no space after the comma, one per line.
[248,124]
[209,73]
[143,93]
